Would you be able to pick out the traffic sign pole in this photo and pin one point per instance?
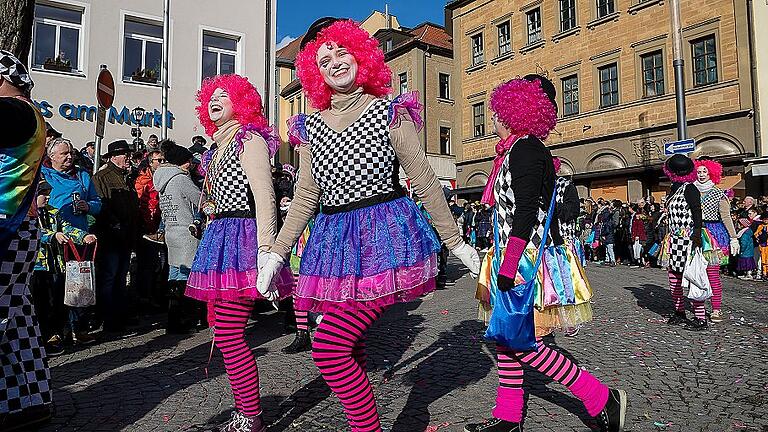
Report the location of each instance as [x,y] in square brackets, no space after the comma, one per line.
[105,95]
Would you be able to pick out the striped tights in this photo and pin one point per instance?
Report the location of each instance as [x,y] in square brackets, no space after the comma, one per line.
[717,287]
[302,320]
[510,394]
[676,286]
[239,362]
[338,350]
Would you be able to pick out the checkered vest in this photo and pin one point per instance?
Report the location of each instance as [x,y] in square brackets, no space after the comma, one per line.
[567,228]
[505,207]
[710,204]
[230,189]
[679,214]
[357,163]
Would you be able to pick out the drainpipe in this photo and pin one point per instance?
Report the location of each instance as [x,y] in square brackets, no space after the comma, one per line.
[756,107]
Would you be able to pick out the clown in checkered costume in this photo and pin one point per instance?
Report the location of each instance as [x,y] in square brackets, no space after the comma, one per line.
[370,246]
[25,393]
[521,187]
[684,236]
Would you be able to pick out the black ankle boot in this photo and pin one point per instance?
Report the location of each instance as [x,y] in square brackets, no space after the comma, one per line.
[611,418]
[678,318]
[494,425]
[301,343]
[696,325]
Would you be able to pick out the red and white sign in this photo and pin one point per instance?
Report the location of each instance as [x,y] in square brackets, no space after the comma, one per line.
[105,88]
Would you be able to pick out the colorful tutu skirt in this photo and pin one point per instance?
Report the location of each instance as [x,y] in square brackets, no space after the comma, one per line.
[226,263]
[676,249]
[746,264]
[367,258]
[562,293]
[720,240]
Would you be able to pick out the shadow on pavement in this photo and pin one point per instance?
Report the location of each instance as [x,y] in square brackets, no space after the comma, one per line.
[654,298]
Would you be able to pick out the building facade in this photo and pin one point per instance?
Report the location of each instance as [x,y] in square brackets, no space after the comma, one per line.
[611,62]
[72,38]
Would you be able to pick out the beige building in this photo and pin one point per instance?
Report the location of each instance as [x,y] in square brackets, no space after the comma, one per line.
[72,38]
[760,53]
[611,63]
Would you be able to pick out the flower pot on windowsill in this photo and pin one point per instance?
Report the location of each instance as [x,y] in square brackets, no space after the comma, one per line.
[144,79]
[56,66]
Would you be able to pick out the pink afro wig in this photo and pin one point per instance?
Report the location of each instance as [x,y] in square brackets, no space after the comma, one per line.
[524,108]
[714,168]
[246,101]
[688,178]
[373,74]
[557,162]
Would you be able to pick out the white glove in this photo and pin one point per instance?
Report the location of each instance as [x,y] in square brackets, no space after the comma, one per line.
[271,266]
[735,246]
[262,259]
[469,257]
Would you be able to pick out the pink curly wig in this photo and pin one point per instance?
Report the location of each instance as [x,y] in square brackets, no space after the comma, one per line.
[524,108]
[714,168]
[373,74]
[246,101]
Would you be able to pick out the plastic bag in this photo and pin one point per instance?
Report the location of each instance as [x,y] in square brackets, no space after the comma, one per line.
[80,279]
[695,277]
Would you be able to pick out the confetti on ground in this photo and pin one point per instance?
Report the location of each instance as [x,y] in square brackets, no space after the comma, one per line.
[661,425]
[436,428]
[444,312]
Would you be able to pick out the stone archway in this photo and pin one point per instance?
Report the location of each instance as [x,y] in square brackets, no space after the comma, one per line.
[604,160]
[717,144]
[478,178]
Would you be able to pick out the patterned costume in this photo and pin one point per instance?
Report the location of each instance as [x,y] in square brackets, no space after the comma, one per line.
[569,230]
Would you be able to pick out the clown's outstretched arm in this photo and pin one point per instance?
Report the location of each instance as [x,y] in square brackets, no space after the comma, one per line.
[303,206]
[407,145]
[255,160]
[725,215]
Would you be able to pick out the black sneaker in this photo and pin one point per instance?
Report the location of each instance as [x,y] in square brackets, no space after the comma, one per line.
[696,325]
[54,346]
[678,318]
[611,418]
[301,343]
[494,425]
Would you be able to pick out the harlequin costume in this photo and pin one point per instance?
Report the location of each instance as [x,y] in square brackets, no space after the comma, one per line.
[719,239]
[522,187]
[240,201]
[370,246]
[25,392]
[684,236]
[567,211]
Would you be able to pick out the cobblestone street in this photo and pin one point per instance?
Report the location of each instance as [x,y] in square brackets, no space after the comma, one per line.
[432,371]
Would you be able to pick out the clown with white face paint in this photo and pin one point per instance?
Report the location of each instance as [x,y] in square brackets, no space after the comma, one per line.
[370,246]
[241,205]
[719,234]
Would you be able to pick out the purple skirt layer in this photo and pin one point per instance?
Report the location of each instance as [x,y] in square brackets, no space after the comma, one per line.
[226,263]
[371,257]
[718,233]
[746,264]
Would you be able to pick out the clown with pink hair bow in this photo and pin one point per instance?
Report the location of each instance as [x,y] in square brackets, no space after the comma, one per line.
[719,234]
[370,246]
[240,205]
[531,283]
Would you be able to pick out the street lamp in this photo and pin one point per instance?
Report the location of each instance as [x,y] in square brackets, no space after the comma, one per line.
[138,116]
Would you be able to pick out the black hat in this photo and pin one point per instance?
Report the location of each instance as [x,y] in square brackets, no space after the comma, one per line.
[197,148]
[118,147]
[175,154]
[680,165]
[51,132]
[546,85]
[316,28]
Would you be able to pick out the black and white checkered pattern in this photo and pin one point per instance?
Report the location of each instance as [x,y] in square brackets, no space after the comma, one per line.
[357,163]
[680,221]
[25,380]
[710,204]
[505,208]
[13,70]
[229,184]
[567,228]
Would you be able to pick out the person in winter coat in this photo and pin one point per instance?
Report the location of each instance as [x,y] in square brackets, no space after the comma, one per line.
[608,237]
[179,198]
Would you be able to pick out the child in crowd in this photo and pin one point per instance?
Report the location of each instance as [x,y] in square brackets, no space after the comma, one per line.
[746,264]
[761,235]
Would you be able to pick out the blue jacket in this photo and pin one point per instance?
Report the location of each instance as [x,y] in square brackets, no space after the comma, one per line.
[61,196]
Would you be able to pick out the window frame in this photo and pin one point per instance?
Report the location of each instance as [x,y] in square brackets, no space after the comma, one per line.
[479,58]
[478,115]
[82,35]
[403,80]
[599,82]
[573,16]
[658,51]
[445,151]
[528,25]
[606,3]
[706,70]
[565,104]
[447,95]
[128,16]
[508,43]
[220,51]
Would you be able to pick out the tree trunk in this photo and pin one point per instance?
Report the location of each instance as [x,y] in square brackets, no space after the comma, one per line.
[16,17]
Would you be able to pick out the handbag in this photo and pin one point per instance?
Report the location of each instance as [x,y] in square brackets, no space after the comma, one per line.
[79,279]
[654,250]
[695,277]
[511,324]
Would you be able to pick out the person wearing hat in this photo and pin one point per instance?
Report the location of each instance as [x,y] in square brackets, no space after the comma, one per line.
[522,188]
[198,147]
[26,390]
[179,199]
[370,246]
[50,134]
[118,228]
[684,221]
